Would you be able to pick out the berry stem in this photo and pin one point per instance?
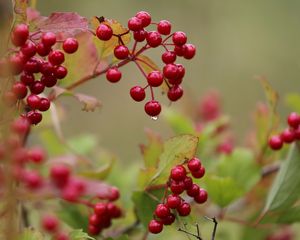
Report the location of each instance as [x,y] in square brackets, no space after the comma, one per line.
[140,68]
[134,48]
[167,38]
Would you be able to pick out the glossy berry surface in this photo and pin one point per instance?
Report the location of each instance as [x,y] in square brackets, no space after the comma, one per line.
[173,201]
[164,27]
[154,39]
[275,142]
[135,24]
[48,39]
[145,17]
[155,226]
[113,75]
[162,211]
[184,209]
[121,52]
[194,164]
[293,120]
[155,78]
[104,32]
[179,38]
[178,173]
[152,108]
[70,45]
[56,57]
[137,93]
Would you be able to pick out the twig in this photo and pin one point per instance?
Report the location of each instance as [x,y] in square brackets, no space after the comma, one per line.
[214,220]
[190,234]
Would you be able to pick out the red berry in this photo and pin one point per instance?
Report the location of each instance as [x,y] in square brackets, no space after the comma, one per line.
[43,50]
[94,230]
[20,35]
[135,24]
[71,193]
[194,164]
[155,78]
[20,90]
[201,197]
[189,51]
[70,45]
[178,173]
[60,72]
[48,80]
[162,211]
[36,155]
[184,209]
[179,50]
[180,70]
[153,39]
[188,182]
[155,226]
[33,101]
[297,133]
[56,57]
[175,93]
[145,17]
[37,87]
[27,78]
[121,52]
[50,223]
[100,209]
[193,191]
[140,35]
[170,71]
[152,108]
[21,126]
[32,180]
[16,63]
[169,219]
[46,68]
[275,142]
[32,66]
[113,210]
[177,187]
[113,75]
[293,120]
[114,194]
[288,135]
[168,57]
[200,173]
[61,236]
[44,104]
[60,175]
[164,27]
[94,219]
[48,39]
[104,32]
[137,93]
[29,49]
[173,201]
[34,117]
[179,38]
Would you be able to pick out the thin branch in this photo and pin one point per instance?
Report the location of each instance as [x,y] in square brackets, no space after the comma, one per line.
[190,234]
[214,220]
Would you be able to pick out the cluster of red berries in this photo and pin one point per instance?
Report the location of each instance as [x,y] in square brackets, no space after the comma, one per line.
[289,135]
[172,73]
[27,62]
[178,183]
[102,216]
[51,225]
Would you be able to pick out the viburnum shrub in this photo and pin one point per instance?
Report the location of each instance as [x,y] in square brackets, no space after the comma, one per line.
[54,187]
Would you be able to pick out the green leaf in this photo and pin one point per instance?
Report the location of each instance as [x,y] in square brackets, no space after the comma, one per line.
[178,122]
[289,216]
[285,188]
[176,151]
[78,234]
[72,216]
[144,206]
[222,190]
[31,234]
[293,101]
[83,144]
[241,167]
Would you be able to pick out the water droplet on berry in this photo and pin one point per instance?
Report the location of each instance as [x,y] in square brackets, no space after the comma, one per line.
[154,118]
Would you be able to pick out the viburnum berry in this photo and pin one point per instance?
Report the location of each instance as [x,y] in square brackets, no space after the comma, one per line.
[178,173]
[193,191]
[189,51]
[135,24]
[168,57]
[175,93]
[184,209]
[164,27]
[201,197]
[145,17]
[32,179]
[60,72]
[188,182]
[275,142]
[113,75]
[27,78]
[200,173]
[140,35]
[162,211]
[20,90]
[56,57]
[137,93]
[20,34]
[179,38]
[44,104]
[16,63]
[170,71]
[179,50]
[194,164]
[114,194]
[155,226]
[104,32]
[49,80]
[155,78]
[50,223]
[33,101]
[36,154]
[100,209]
[177,187]
[32,66]
[94,219]
[70,45]
[152,108]
[94,230]
[154,39]
[37,87]
[121,52]
[169,219]
[61,236]
[293,120]
[46,68]
[173,201]
[297,133]
[287,136]
[34,117]
[60,175]
[21,126]
[113,210]
[43,50]
[28,49]
[48,39]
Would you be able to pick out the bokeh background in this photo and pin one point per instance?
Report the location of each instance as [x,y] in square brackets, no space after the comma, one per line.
[236,41]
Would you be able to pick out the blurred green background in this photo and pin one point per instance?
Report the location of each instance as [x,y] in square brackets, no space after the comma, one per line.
[236,41]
